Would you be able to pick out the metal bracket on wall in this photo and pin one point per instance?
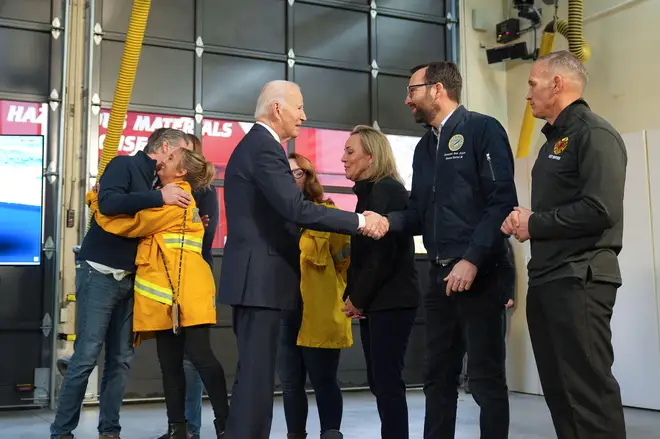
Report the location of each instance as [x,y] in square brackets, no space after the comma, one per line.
[375,125]
[373,8]
[96,104]
[54,100]
[98,34]
[291,58]
[199,113]
[46,325]
[291,2]
[49,247]
[199,46]
[56,28]
[450,21]
[51,174]
[374,68]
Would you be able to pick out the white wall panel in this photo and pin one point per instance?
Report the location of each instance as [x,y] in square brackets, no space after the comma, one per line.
[635,321]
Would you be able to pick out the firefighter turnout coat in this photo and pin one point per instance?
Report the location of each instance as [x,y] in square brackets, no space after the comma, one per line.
[169,255]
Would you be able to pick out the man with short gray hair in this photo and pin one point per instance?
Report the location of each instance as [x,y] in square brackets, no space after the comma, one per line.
[576,231]
[105,269]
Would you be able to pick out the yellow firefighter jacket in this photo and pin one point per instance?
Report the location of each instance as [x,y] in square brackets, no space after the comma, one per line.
[162,230]
[324,261]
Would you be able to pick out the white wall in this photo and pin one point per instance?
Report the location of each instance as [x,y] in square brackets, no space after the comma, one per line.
[623,76]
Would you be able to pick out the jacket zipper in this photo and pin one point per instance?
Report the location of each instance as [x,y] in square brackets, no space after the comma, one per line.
[490,165]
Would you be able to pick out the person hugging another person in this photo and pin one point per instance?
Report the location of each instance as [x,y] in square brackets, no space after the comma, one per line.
[174,288]
[313,335]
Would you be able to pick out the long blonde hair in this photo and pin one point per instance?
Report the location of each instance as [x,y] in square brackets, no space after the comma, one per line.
[200,173]
[378,147]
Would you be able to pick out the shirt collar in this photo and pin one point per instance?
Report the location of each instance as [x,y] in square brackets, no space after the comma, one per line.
[564,117]
[270,130]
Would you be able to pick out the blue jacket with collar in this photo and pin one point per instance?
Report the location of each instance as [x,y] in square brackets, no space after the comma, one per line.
[462,190]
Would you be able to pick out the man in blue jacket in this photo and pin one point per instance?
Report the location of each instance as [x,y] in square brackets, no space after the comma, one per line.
[462,189]
[104,287]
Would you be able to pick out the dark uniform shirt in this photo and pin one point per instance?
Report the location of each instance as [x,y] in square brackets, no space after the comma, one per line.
[577,199]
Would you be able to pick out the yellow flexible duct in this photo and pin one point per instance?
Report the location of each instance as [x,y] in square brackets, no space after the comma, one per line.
[572,31]
[125,81]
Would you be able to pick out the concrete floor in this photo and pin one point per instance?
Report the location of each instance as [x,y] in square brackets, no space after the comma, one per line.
[530,419]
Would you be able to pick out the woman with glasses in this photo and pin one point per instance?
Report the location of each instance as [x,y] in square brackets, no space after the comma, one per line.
[312,336]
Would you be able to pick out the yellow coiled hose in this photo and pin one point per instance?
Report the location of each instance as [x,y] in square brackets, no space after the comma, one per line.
[572,31]
[125,81]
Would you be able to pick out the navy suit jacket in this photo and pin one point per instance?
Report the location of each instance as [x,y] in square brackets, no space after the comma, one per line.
[264,210]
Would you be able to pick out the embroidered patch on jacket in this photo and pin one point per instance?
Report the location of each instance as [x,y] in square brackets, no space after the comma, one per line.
[560,146]
[196,218]
[456,142]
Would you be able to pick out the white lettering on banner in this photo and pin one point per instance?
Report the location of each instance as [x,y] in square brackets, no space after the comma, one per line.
[20,114]
[214,128]
[129,144]
[144,123]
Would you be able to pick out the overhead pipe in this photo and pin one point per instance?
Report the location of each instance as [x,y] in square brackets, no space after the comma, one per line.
[572,31]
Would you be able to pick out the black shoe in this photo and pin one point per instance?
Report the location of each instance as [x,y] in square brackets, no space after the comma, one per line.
[296,436]
[332,434]
[177,431]
[219,429]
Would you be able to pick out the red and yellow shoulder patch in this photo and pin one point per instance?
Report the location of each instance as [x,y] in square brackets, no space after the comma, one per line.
[560,146]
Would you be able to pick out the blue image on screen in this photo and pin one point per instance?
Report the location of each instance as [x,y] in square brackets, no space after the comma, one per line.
[21,196]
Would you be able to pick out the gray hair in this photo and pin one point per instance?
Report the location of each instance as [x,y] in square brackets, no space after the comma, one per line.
[159,136]
[273,91]
[565,62]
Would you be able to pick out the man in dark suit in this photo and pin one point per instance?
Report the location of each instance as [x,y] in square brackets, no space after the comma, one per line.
[260,269]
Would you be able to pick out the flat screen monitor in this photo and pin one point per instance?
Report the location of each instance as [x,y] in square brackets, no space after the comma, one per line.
[21,199]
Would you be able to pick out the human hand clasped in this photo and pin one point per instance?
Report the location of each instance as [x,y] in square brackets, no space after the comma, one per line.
[517,224]
[376,225]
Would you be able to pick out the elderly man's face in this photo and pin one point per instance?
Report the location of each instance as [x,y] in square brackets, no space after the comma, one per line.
[291,114]
[542,91]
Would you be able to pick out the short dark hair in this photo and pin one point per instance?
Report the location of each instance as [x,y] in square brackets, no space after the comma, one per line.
[447,74]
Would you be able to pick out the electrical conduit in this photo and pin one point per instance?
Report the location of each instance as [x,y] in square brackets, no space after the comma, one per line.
[572,31]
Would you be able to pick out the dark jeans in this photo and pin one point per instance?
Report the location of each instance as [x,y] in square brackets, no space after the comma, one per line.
[195,342]
[294,364]
[469,321]
[385,337]
[194,391]
[104,314]
[569,325]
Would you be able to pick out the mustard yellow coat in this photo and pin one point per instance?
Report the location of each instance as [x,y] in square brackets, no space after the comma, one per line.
[324,261]
[161,231]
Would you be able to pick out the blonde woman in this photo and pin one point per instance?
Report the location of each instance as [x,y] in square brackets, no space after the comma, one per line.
[174,288]
[383,288]
[312,336]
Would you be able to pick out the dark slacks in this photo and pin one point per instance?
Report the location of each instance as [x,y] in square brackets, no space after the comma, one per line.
[194,341]
[385,336]
[251,410]
[293,365]
[569,325]
[468,321]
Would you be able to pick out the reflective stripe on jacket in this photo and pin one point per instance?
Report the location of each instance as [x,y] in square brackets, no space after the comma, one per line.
[161,230]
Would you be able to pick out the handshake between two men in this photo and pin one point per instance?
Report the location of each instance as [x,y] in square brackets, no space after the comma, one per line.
[517,224]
